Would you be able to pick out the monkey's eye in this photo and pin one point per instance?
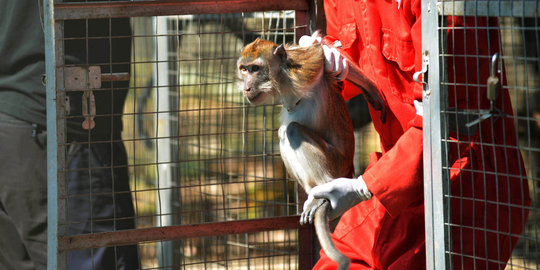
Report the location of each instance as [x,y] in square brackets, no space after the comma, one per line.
[250,68]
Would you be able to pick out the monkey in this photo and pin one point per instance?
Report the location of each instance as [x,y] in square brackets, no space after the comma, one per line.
[316,139]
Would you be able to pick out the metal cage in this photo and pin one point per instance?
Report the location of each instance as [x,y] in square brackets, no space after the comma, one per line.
[481,96]
[146,90]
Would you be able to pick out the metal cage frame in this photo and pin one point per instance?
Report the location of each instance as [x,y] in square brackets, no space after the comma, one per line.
[435,122]
[55,12]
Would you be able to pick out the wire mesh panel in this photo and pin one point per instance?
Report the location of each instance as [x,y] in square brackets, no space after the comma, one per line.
[484,127]
[188,117]
[161,162]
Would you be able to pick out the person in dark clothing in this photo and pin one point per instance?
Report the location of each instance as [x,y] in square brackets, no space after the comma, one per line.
[98,200]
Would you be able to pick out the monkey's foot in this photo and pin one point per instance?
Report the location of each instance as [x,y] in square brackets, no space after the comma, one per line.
[309,211]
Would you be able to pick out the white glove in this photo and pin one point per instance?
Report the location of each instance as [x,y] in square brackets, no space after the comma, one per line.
[343,194]
[334,62]
[306,41]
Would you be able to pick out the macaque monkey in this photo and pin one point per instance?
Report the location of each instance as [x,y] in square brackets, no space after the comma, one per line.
[316,133]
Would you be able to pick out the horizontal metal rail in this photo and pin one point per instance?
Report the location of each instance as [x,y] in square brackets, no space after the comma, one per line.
[499,8]
[97,10]
[135,236]
[115,77]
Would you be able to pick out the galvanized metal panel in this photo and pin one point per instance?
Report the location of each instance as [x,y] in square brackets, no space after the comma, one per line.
[433,184]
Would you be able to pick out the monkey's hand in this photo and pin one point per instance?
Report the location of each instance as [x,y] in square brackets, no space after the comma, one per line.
[342,193]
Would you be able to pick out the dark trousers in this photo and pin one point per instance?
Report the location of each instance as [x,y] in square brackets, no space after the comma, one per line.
[99,200]
[23,197]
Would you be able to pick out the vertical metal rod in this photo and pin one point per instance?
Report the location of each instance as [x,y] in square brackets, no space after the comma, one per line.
[306,253]
[52,171]
[163,146]
[433,176]
[61,135]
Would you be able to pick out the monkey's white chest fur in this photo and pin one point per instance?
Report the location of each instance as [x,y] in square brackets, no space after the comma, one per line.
[292,144]
[293,160]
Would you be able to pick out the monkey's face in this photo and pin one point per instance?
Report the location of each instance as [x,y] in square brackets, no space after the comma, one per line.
[255,81]
[256,67]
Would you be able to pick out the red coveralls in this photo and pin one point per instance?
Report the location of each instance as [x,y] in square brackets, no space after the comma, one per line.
[387,232]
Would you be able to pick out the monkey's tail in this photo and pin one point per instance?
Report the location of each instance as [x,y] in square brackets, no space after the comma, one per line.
[323,233]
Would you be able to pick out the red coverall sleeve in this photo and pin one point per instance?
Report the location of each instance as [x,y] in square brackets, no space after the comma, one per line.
[395,178]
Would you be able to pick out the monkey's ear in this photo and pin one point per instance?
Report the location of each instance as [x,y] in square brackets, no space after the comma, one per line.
[280,51]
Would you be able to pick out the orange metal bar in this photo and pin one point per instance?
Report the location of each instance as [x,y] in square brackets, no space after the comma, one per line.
[128,237]
[96,10]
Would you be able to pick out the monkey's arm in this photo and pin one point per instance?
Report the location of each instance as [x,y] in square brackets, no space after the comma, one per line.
[338,64]
[310,158]
[369,89]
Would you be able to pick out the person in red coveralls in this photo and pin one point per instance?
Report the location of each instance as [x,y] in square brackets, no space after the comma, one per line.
[487,178]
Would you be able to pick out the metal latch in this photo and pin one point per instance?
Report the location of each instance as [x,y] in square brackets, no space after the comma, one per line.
[425,64]
[88,110]
[423,73]
[84,79]
[87,79]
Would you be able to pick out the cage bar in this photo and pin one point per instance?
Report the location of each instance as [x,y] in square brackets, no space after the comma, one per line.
[67,11]
[52,168]
[433,152]
[128,237]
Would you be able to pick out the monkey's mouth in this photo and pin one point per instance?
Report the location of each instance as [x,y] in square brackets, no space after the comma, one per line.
[254,98]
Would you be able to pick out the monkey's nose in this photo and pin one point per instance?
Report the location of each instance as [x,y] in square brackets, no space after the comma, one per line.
[247,89]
